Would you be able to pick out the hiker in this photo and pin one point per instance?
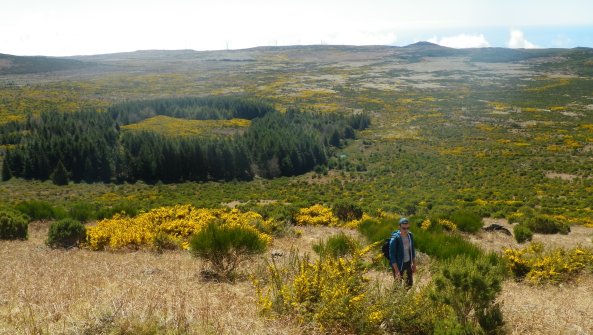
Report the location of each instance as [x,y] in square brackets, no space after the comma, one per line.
[402,254]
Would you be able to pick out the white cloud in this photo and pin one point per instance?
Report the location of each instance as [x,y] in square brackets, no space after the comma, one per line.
[462,41]
[517,40]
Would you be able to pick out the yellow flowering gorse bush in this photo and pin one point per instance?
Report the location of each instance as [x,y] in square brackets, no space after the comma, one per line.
[330,292]
[425,225]
[335,295]
[446,224]
[316,215]
[537,265]
[174,224]
[354,224]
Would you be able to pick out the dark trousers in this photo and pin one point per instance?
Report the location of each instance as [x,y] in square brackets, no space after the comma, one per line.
[407,272]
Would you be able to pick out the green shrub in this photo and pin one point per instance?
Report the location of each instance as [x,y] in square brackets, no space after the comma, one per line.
[522,233]
[377,229]
[13,226]
[441,212]
[449,325]
[466,221]
[225,246]
[40,210]
[546,225]
[413,312]
[82,212]
[65,233]
[338,245]
[521,215]
[469,287]
[347,211]
[129,208]
[443,245]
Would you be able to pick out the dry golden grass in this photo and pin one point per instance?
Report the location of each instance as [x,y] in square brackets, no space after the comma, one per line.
[48,291]
[528,309]
[564,309]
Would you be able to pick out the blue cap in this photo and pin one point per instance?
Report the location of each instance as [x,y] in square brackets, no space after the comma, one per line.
[403,221]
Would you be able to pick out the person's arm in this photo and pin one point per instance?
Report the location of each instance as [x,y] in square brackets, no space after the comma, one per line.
[393,257]
[413,260]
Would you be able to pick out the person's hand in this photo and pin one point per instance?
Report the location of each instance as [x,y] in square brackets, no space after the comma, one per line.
[397,275]
[413,268]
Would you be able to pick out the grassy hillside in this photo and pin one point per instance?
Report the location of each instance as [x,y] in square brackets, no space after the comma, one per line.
[502,134]
[450,127]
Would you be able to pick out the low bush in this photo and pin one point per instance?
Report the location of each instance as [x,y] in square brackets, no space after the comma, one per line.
[413,312]
[521,215]
[40,210]
[82,212]
[537,265]
[546,225]
[522,233]
[13,225]
[338,245]
[441,212]
[347,211]
[377,229]
[66,233]
[128,208]
[470,287]
[225,245]
[443,245]
[466,221]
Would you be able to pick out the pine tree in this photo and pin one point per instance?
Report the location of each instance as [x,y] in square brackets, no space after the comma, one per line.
[6,174]
[335,138]
[60,175]
[89,171]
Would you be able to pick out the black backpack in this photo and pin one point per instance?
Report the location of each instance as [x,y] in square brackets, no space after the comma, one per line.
[385,248]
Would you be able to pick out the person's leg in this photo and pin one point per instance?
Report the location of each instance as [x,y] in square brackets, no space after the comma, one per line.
[407,271]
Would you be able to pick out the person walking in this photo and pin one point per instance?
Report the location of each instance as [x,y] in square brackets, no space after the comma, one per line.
[402,254]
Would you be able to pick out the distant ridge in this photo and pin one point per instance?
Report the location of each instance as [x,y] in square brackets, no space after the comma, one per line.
[10,64]
[425,44]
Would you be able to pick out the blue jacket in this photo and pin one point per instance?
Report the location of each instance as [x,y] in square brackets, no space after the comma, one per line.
[396,249]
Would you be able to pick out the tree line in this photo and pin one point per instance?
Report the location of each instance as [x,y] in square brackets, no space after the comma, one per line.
[90,146]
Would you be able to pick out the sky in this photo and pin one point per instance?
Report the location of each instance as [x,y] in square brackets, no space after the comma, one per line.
[84,27]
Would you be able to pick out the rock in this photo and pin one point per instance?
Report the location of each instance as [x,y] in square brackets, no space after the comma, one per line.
[497,227]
